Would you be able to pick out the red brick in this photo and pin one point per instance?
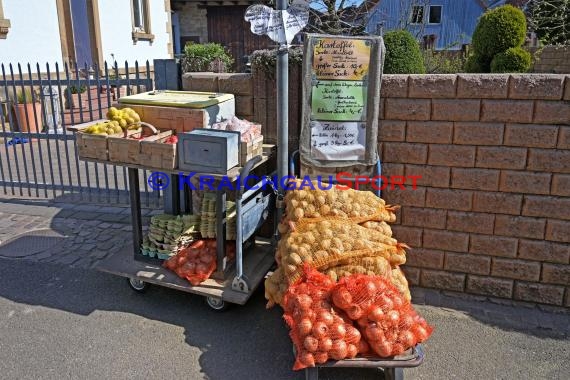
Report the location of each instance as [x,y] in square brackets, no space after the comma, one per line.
[471,133]
[392,169]
[548,294]
[516,269]
[432,176]
[425,258]
[429,132]
[498,203]
[451,155]
[551,207]
[442,280]
[561,185]
[549,160]
[467,263]
[409,235]
[558,230]
[423,217]
[493,245]
[556,274]
[392,130]
[432,86]
[455,109]
[449,199]
[412,274]
[470,222]
[531,135]
[394,86]
[567,88]
[509,111]
[525,182]
[552,112]
[479,86]
[408,197]
[476,179]
[407,109]
[541,250]
[405,153]
[564,138]
[567,298]
[488,286]
[446,240]
[536,86]
[500,157]
[519,226]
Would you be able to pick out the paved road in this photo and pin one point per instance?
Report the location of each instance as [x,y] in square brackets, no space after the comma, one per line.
[61,322]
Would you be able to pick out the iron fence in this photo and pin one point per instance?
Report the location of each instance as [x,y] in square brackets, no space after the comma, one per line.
[38,155]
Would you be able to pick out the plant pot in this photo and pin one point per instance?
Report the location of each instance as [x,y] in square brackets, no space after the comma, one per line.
[30,124]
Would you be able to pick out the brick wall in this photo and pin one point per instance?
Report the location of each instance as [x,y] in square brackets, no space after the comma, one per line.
[240,84]
[491,215]
[193,21]
[552,59]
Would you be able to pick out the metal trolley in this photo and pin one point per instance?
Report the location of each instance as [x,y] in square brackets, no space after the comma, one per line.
[231,283]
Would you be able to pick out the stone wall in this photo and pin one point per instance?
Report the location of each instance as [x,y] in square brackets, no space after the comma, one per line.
[193,21]
[491,213]
[552,59]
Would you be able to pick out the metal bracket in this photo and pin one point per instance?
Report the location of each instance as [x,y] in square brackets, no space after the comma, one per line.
[241,284]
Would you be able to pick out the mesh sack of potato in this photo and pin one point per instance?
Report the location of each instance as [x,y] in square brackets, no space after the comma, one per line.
[362,265]
[360,206]
[276,286]
[399,280]
[382,227]
[330,243]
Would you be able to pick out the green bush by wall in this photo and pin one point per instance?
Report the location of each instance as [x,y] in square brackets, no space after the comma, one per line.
[513,60]
[403,55]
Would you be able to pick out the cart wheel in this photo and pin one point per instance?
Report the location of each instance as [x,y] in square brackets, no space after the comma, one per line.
[217,304]
[137,285]
[393,374]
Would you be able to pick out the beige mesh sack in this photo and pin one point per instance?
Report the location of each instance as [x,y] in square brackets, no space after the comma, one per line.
[330,243]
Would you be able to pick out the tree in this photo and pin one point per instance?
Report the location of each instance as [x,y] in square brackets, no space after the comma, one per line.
[550,19]
[339,17]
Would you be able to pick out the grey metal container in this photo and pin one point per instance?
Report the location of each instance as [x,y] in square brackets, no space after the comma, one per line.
[208,151]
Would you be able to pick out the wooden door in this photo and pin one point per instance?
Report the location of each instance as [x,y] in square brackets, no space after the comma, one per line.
[227,26]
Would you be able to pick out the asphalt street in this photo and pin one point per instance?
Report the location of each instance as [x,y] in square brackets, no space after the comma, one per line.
[58,322]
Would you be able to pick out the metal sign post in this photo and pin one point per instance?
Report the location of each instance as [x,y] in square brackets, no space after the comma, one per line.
[281,25]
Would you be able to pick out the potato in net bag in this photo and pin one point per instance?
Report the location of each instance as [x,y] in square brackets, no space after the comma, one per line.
[318,332]
[330,243]
[360,206]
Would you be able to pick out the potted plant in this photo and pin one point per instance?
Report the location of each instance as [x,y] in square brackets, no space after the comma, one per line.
[27,105]
[72,95]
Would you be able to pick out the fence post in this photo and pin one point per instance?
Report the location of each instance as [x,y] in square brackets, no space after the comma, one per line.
[167,77]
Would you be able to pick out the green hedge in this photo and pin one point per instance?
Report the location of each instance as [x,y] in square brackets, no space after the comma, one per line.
[498,30]
[403,55]
[514,60]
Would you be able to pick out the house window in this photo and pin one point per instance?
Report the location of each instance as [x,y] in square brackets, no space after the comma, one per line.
[4,23]
[417,14]
[435,14]
[141,20]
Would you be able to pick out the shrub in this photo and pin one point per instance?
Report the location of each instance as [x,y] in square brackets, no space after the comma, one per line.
[403,54]
[498,30]
[266,60]
[438,62]
[206,57]
[476,64]
[514,60]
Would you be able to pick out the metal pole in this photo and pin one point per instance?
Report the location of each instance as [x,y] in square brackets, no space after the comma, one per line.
[282,110]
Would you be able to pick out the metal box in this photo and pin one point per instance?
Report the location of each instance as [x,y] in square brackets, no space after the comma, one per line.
[208,151]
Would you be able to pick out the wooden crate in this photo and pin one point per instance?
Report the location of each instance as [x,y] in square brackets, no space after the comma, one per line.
[90,145]
[248,150]
[157,154]
[171,118]
[126,149]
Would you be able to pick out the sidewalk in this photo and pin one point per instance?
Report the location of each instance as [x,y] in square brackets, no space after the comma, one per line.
[71,234]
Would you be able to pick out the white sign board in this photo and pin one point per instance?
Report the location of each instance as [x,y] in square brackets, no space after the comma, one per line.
[281,26]
[338,141]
